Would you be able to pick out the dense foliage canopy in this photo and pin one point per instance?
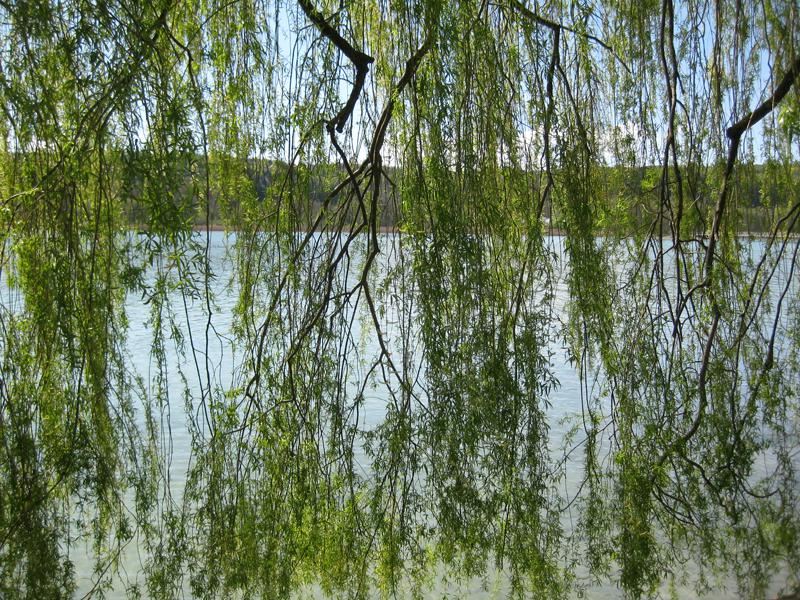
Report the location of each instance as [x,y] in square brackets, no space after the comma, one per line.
[557,178]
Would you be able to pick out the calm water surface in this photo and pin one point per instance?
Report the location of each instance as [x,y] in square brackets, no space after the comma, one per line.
[192,320]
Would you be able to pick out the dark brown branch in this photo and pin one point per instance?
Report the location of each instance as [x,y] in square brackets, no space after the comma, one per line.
[736,130]
[734,133]
[555,59]
[412,64]
[372,163]
[360,60]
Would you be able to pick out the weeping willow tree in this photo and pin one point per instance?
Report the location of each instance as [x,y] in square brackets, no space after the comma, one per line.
[429,205]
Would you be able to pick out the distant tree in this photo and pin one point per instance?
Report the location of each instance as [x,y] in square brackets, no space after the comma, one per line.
[479,129]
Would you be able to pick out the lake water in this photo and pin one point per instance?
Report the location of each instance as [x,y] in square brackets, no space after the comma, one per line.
[224,360]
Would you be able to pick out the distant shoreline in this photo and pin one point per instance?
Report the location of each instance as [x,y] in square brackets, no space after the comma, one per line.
[551,231]
[381,229]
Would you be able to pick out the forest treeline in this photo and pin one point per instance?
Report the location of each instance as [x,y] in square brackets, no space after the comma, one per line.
[625,198]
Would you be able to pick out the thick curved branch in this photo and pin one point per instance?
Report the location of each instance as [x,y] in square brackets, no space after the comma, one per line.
[734,134]
[360,60]
[737,129]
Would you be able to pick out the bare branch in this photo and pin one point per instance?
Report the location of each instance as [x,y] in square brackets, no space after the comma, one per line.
[734,134]
[360,60]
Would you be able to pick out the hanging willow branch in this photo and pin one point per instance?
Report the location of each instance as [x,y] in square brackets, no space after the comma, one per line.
[412,377]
